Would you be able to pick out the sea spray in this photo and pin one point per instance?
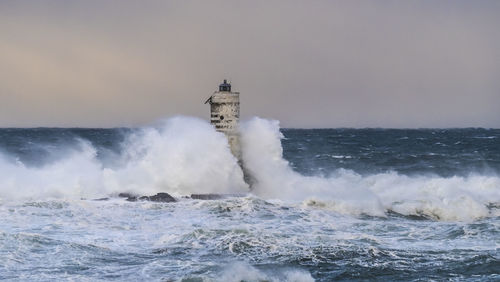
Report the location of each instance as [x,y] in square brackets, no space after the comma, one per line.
[76,175]
[182,155]
[185,155]
[297,224]
[345,191]
[239,271]
[262,154]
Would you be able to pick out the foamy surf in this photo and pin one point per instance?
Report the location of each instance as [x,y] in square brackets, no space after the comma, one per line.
[347,192]
[181,156]
[295,224]
[185,155]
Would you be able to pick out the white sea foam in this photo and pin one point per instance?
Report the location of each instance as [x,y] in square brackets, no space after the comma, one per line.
[454,198]
[240,271]
[181,156]
[185,155]
[78,174]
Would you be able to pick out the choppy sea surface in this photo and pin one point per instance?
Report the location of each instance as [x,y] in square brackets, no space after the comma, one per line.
[325,204]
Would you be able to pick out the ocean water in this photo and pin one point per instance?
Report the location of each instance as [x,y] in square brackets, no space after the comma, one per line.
[325,204]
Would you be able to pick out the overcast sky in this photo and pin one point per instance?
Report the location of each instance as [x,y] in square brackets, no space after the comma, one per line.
[307,63]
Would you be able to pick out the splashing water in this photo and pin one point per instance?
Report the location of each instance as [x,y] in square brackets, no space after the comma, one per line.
[184,155]
[343,204]
[454,198]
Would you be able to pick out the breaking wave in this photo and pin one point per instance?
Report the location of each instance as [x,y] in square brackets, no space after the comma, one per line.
[181,156]
[185,155]
[345,191]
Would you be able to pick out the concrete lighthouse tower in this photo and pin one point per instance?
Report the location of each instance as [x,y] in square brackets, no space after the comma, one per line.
[225,114]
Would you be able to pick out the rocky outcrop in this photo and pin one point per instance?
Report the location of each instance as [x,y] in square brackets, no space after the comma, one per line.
[214,196]
[163,197]
[206,196]
[159,197]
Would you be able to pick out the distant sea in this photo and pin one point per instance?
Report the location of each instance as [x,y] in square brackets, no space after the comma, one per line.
[325,204]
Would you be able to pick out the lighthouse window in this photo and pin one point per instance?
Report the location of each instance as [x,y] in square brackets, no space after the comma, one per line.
[221,117]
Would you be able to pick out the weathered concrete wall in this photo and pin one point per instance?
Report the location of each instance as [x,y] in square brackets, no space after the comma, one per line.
[224,115]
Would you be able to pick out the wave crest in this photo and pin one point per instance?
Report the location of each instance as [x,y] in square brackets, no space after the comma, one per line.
[454,198]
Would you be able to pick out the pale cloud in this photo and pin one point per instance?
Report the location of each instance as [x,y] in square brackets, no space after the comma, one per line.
[307,63]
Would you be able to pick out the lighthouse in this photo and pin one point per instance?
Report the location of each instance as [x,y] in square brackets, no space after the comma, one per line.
[225,114]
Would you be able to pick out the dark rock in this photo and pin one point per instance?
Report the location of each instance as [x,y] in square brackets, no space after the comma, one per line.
[160,197]
[130,197]
[101,199]
[126,195]
[207,196]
